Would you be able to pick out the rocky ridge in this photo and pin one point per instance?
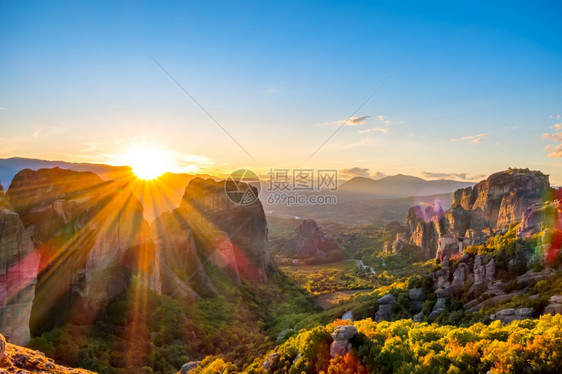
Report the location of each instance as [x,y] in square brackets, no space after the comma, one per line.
[478,212]
[16,359]
[94,234]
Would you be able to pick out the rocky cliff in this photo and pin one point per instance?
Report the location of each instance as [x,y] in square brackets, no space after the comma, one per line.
[476,213]
[91,237]
[209,227]
[424,225]
[501,199]
[16,359]
[19,263]
[311,242]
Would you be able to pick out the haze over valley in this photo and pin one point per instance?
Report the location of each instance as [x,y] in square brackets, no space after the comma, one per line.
[280,187]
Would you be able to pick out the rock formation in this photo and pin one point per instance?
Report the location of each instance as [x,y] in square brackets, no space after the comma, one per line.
[16,359]
[92,239]
[386,304]
[498,201]
[424,225]
[538,217]
[554,306]
[178,258]
[341,335]
[19,263]
[477,212]
[209,227]
[510,314]
[416,297]
[311,242]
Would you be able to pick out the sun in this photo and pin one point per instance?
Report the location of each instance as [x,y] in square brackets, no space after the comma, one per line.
[148,162]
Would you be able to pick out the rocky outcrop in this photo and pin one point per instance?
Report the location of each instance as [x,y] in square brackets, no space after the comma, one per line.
[189,367]
[311,241]
[211,214]
[341,335]
[386,304]
[19,262]
[92,239]
[178,258]
[555,306]
[416,297]
[16,359]
[501,199]
[478,212]
[271,363]
[423,226]
[510,314]
[537,218]
[439,307]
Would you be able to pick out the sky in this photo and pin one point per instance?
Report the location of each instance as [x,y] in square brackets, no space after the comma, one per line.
[432,89]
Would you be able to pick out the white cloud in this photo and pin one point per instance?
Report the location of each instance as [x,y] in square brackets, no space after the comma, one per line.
[352,121]
[472,138]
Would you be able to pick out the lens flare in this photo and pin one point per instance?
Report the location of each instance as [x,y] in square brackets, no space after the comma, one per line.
[148,162]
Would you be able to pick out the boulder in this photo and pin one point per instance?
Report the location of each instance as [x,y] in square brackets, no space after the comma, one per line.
[387,299]
[439,307]
[341,335]
[347,316]
[271,362]
[188,367]
[386,304]
[416,297]
[555,306]
[418,317]
[460,276]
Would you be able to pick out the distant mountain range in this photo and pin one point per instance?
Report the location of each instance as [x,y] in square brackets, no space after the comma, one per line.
[165,197]
[397,186]
[172,186]
[11,166]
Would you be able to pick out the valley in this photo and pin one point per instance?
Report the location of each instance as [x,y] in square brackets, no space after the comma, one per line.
[215,286]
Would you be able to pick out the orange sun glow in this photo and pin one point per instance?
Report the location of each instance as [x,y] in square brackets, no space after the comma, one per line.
[148,162]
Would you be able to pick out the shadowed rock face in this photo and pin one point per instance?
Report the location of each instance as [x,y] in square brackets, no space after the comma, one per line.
[92,232]
[424,225]
[311,242]
[211,215]
[19,263]
[178,257]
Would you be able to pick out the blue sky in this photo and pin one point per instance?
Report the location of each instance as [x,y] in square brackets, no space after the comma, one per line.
[479,92]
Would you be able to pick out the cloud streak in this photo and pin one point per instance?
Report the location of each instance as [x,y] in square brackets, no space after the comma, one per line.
[455,176]
[382,129]
[472,138]
[353,121]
